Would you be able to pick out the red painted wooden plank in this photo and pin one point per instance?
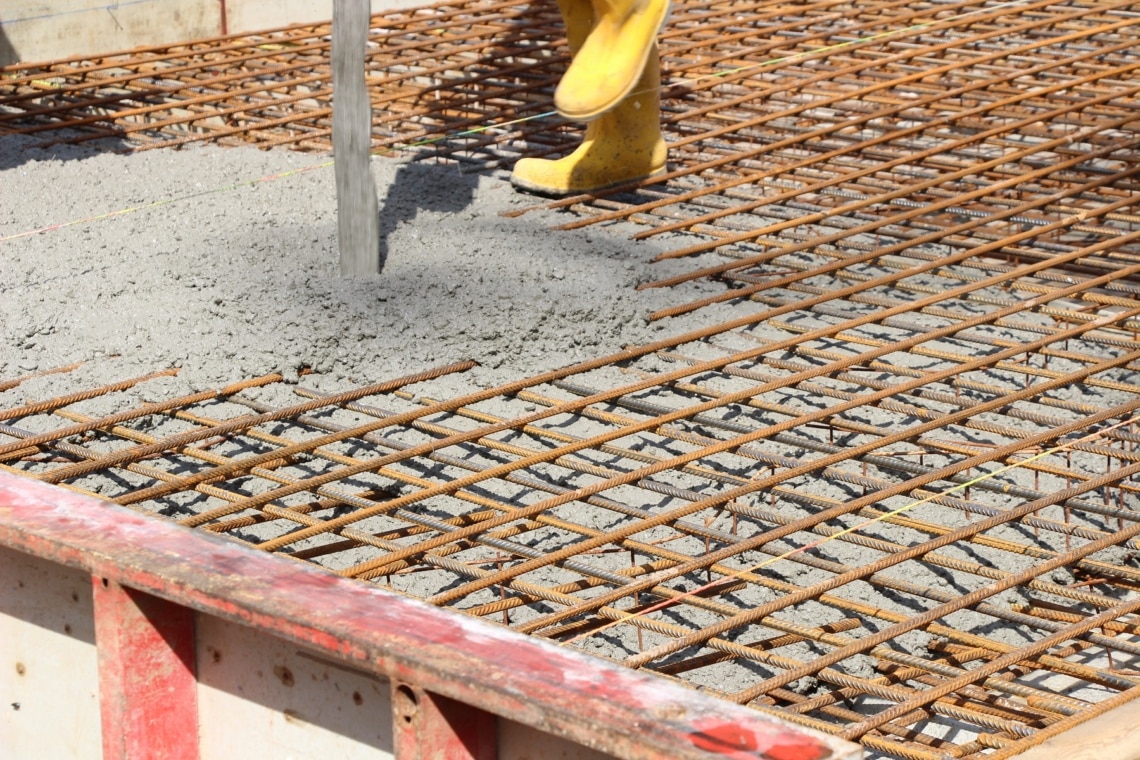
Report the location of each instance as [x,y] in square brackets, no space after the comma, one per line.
[147,683]
[553,689]
[426,726]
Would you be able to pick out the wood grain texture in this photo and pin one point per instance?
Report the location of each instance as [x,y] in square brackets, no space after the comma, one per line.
[1115,735]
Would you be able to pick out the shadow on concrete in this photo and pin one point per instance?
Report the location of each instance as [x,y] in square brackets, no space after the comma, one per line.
[422,187]
[522,61]
[8,54]
[16,150]
[27,133]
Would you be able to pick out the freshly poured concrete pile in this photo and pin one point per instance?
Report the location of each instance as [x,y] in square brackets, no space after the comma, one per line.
[230,278]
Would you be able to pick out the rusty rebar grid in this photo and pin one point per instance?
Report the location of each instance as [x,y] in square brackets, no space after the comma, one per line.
[926,509]
[840,126]
[893,497]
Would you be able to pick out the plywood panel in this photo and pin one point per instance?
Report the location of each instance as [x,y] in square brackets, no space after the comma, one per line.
[259,696]
[39,30]
[48,664]
[36,30]
[1112,736]
[257,15]
[519,742]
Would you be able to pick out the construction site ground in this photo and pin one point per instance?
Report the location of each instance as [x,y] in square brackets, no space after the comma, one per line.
[838,421]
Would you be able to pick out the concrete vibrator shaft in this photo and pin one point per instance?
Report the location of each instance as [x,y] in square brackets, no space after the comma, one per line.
[357,207]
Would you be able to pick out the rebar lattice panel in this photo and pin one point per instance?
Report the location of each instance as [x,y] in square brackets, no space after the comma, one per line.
[913,524]
[840,127]
[893,496]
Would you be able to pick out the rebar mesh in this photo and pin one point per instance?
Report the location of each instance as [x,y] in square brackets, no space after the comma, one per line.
[892,495]
[907,525]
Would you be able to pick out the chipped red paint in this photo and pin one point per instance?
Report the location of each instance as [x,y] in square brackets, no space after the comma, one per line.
[795,748]
[492,669]
[730,740]
[725,739]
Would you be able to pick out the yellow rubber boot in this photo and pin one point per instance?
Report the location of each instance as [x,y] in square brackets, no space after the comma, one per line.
[578,16]
[622,145]
[612,57]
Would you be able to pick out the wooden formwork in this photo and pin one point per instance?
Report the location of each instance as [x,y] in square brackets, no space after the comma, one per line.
[128,637]
[31,30]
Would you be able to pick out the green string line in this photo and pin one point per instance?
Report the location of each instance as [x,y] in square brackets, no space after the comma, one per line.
[464,133]
[498,125]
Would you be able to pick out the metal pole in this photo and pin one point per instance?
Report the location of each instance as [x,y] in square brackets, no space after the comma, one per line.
[358,211]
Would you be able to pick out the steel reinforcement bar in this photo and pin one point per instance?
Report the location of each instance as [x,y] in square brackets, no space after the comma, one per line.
[871,512]
[891,495]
